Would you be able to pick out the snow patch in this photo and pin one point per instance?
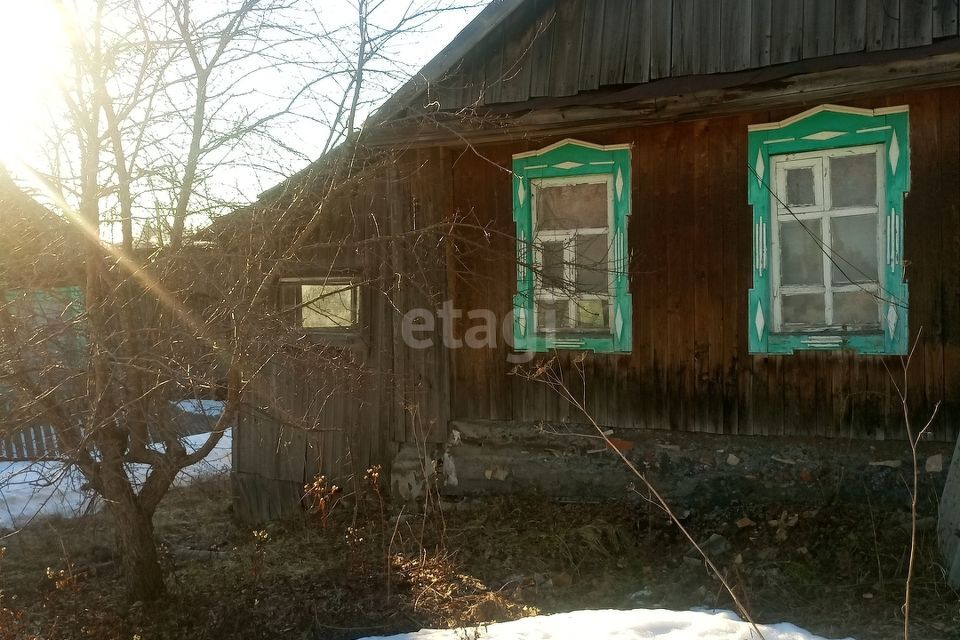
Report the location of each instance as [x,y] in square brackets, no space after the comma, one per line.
[34,489]
[212,408]
[639,624]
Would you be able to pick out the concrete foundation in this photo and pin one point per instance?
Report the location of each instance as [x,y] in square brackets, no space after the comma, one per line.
[572,462]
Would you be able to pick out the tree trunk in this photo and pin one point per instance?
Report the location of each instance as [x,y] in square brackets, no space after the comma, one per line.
[138,551]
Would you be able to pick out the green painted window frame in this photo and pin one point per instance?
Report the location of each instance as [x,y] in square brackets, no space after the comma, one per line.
[572,159]
[821,129]
[69,303]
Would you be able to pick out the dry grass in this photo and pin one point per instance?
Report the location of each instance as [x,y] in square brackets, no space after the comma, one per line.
[836,571]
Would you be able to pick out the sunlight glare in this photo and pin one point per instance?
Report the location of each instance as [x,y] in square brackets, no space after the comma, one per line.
[32,58]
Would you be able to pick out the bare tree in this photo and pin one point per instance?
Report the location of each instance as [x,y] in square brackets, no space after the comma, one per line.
[165,95]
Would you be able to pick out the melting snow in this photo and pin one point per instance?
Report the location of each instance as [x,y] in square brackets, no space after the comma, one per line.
[640,624]
[30,489]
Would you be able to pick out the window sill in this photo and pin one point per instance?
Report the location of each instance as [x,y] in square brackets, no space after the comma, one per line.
[866,343]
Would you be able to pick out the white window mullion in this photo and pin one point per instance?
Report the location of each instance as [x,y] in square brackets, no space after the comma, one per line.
[570,277]
[826,247]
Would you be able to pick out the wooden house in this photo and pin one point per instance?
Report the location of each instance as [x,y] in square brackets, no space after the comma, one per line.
[725,223]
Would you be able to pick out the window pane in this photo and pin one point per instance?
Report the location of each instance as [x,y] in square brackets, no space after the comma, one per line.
[327,306]
[801,187]
[801,254]
[553,315]
[572,206]
[853,180]
[593,314]
[593,263]
[854,245]
[552,267]
[856,309]
[803,309]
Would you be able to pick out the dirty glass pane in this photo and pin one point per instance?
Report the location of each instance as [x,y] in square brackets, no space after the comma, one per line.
[801,187]
[803,309]
[552,268]
[327,306]
[853,180]
[801,254]
[856,309]
[572,206]
[593,263]
[553,315]
[592,314]
[854,246]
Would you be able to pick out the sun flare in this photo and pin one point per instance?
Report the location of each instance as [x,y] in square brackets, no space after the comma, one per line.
[32,58]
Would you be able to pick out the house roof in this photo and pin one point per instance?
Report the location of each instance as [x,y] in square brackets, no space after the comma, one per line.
[520,50]
[34,241]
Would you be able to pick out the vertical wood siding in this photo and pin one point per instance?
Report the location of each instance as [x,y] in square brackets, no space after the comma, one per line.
[690,243]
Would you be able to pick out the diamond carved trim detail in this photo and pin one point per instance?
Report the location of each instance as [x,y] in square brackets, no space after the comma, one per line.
[894,153]
[824,135]
[521,192]
[619,184]
[760,168]
[892,318]
[618,323]
[522,320]
[567,165]
[759,321]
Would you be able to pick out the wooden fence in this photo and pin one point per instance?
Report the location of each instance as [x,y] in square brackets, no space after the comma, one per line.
[32,443]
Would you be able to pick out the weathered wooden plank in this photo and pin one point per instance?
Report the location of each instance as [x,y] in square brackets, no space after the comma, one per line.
[565,62]
[760,33]
[493,69]
[473,76]
[950,259]
[819,18]
[786,33]
[643,285]
[735,30]
[944,18]
[703,236]
[883,25]
[708,51]
[851,28]
[519,38]
[592,45]
[736,234]
[616,25]
[661,38]
[686,32]
[682,264]
[541,55]
[922,252]
[916,22]
[640,38]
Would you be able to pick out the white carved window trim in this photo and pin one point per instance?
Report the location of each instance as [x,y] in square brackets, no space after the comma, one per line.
[821,214]
[569,239]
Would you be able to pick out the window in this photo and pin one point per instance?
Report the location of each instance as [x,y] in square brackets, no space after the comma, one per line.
[320,304]
[827,191]
[571,203]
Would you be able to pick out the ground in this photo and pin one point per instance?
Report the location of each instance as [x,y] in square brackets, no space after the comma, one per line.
[359,571]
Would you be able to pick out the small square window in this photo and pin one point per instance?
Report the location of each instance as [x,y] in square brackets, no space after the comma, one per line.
[320,304]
